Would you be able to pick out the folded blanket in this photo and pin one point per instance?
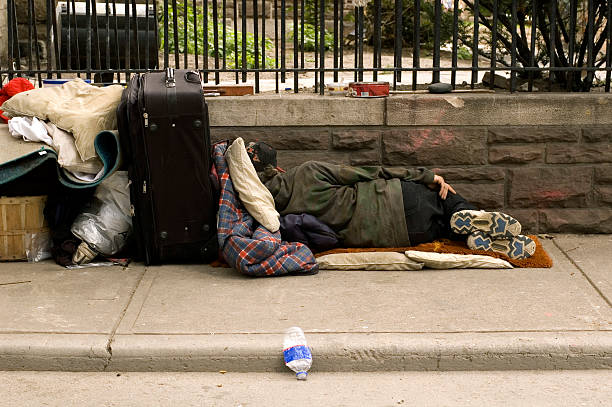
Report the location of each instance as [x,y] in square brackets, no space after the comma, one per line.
[246,245]
[456,261]
[540,258]
[28,168]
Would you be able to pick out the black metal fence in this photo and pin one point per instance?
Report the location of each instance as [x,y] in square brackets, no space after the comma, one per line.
[287,45]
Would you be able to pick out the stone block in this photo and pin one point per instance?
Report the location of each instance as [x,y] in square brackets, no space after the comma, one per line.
[281,138]
[452,146]
[529,109]
[595,220]
[497,80]
[293,158]
[603,174]
[596,134]
[355,139]
[558,153]
[527,217]
[603,195]
[295,110]
[548,187]
[483,196]
[249,9]
[472,174]
[364,157]
[532,134]
[516,154]
[40,10]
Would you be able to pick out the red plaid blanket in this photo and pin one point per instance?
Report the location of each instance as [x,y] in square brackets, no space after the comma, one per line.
[246,245]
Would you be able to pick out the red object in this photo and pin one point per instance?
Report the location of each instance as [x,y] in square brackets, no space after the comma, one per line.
[3,98]
[369,89]
[13,87]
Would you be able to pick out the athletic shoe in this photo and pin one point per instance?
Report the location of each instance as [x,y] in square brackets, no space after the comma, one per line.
[495,224]
[519,247]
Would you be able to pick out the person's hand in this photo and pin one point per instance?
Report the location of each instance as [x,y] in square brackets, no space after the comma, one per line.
[444,187]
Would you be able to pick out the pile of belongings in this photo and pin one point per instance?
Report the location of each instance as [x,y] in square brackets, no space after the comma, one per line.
[61,142]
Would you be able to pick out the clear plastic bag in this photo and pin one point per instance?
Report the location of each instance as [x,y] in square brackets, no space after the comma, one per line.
[105,224]
[38,246]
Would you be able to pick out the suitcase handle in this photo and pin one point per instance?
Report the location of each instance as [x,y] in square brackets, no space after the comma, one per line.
[170,82]
[193,77]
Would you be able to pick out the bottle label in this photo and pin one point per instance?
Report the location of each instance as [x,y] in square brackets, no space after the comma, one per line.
[297,352]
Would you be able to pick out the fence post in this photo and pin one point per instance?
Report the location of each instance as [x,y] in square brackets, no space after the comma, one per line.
[4,40]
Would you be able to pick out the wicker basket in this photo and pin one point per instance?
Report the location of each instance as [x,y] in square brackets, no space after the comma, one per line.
[20,217]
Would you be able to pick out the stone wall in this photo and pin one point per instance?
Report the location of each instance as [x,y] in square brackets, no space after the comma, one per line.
[553,178]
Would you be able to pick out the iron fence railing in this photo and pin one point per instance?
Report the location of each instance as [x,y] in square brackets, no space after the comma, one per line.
[282,45]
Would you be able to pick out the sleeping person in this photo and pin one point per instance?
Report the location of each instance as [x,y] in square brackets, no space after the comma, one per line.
[373,206]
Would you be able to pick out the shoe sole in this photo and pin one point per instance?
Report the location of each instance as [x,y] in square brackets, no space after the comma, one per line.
[519,247]
[495,224]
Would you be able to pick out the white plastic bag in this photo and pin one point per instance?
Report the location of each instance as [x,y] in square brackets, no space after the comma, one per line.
[105,224]
[38,246]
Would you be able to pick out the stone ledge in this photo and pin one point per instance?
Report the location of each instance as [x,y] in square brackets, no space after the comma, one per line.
[295,110]
[500,109]
[367,351]
[551,109]
[58,352]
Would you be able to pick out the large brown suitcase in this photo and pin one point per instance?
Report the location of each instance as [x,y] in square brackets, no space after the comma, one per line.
[163,124]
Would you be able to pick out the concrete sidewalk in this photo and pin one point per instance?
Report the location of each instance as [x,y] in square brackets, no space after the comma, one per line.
[199,318]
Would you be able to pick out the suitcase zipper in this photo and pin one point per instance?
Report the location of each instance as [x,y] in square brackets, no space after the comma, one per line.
[144,187]
[146,119]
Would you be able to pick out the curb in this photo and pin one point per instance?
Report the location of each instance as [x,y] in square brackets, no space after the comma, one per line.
[367,352]
[60,352]
[332,352]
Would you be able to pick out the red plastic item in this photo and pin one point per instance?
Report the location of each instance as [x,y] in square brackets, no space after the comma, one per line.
[369,89]
[13,87]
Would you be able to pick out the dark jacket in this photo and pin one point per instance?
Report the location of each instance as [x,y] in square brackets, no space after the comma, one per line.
[363,205]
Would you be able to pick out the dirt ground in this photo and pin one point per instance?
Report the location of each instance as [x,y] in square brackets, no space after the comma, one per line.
[306,79]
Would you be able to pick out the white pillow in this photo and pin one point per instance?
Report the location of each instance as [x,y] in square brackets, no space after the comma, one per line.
[455,261]
[367,261]
[256,198]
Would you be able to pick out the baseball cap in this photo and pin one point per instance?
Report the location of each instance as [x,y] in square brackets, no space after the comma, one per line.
[262,155]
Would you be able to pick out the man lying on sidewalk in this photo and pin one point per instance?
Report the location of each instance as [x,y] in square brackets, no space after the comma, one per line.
[374,206]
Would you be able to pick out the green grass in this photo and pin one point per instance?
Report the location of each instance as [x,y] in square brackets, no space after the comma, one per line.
[231,40]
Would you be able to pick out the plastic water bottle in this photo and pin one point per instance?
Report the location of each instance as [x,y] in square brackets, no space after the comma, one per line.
[297,353]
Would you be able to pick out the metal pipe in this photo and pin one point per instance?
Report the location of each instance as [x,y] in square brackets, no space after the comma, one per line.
[283,29]
[399,38]
[174,29]
[474,78]
[513,48]
[215,16]
[416,39]
[322,49]
[494,43]
[295,46]
[206,50]
[256,44]
[436,51]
